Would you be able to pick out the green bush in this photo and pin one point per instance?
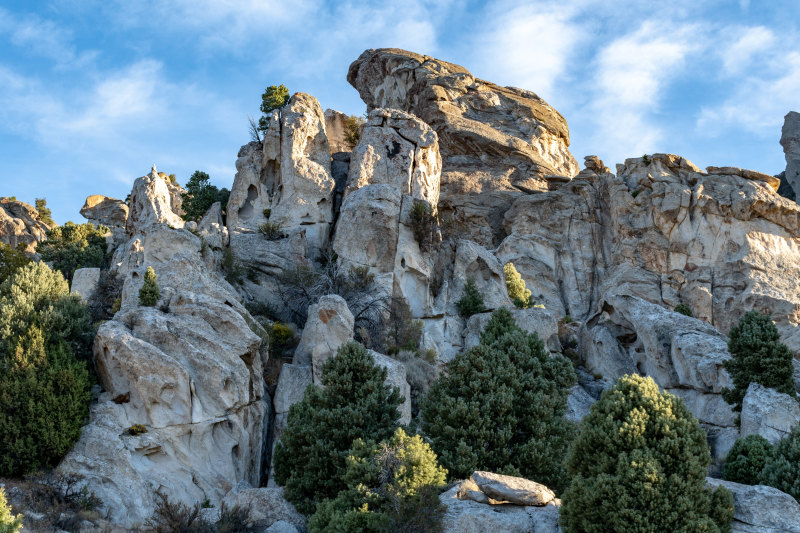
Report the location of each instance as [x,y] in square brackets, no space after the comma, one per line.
[282,340]
[471,301]
[73,246]
[271,230]
[757,356]
[274,97]
[684,309]
[149,293]
[517,291]
[500,407]
[8,522]
[392,486]
[44,398]
[782,468]
[176,517]
[200,194]
[35,294]
[402,331]
[423,223]
[11,260]
[746,460]
[639,464]
[45,214]
[310,459]
[352,130]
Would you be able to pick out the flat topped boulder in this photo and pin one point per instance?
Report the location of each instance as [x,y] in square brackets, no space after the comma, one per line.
[512,490]
[105,210]
[771,181]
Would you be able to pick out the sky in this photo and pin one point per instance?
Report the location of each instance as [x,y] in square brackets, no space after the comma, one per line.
[92,93]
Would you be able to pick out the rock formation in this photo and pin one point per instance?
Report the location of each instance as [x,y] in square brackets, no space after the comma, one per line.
[189,369]
[496,142]
[20,224]
[109,212]
[335,129]
[790,140]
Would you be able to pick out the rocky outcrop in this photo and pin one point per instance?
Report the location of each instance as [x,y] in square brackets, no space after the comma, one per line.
[151,203]
[84,282]
[189,370]
[496,142]
[20,224]
[768,413]
[514,490]
[790,140]
[109,212]
[329,325]
[395,164]
[760,509]
[335,127]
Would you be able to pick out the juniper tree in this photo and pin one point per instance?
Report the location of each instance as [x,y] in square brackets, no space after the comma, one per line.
[471,301]
[517,291]
[500,407]
[354,402]
[148,294]
[782,467]
[639,465]
[746,460]
[757,356]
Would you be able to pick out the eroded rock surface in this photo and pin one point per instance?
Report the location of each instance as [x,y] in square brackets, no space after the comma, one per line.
[106,211]
[790,140]
[20,224]
[768,413]
[761,509]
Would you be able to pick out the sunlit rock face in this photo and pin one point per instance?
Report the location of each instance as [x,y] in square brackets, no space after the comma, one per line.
[20,224]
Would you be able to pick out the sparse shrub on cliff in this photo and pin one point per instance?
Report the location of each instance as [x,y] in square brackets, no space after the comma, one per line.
[272,231]
[639,464]
[274,97]
[471,301]
[352,130]
[45,214]
[517,291]
[402,331]
[148,294]
[782,467]
[757,356]
[109,289]
[9,523]
[200,194]
[391,486]
[282,340]
[310,459]
[684,309]
[176,517]
[423,223]
[746,460]
[500,407]
[73,246]
[11,260]
[136,429]
[420,374]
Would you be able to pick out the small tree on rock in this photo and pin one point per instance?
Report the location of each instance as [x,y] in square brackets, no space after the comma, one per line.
[746,460]
[639,464]
[517,291]
[200,194]
[8,522]
[471,301]
[500,407]
[310,459]
[44,212]
[148,294]
[274,97]
[757,356]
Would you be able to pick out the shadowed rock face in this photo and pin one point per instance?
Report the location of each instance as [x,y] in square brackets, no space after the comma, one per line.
[492,139]
[790,140]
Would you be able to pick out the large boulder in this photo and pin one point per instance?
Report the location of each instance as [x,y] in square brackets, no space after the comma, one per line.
[106,211]
[492,138]
[84,282]
[513,490]
[335,127]
[20,223]
[760,509]
[790,140]
[768,413]
[329,325]
[465,515]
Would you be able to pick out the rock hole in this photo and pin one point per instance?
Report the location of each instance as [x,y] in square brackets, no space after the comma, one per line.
[247,210]
[271,177]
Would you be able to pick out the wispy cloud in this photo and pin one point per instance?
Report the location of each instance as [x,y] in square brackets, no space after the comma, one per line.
[34,35]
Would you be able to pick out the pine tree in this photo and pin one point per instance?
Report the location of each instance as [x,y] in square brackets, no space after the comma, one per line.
[746,460]
[520,295]
[757,356]
[274,97]
[354,402]
[782,467]
[500,407]
[471,301]
[639,465]
[148,294]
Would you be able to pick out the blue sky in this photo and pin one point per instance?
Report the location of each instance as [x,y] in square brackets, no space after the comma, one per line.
[92,93]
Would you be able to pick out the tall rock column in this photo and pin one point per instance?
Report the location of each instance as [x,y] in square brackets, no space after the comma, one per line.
[790,140]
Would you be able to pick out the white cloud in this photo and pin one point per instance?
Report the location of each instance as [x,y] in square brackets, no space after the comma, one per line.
[752,42]
[528,46]
[43,38]
[631,76]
